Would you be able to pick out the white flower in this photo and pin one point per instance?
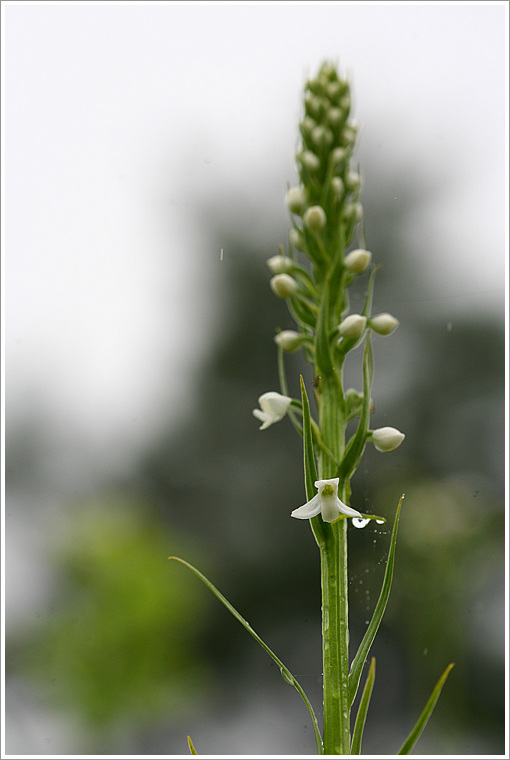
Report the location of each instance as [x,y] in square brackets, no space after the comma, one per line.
[273,408]
[325,502]
[358,260]
[283,285]
[289,340]
[383,324]
[352,326]
[387,438]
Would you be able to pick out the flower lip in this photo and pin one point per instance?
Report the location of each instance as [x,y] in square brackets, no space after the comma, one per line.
[326,503]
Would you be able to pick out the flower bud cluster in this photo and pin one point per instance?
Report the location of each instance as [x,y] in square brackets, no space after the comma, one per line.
[326,199]
[325,211]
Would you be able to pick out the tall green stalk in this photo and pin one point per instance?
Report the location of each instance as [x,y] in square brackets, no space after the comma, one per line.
[335,642]
[334,583]
[315,279]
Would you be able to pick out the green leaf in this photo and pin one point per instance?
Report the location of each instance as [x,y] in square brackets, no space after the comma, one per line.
[323,356]
[362,711]
[427,712]
[364,647]
[309,459]
[356,445]
[370,292]
[285,672]
[377,518]
[191,747]
[285,391]
[316,523]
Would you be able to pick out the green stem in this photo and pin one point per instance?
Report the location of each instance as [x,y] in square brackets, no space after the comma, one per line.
[335,638]
[334,580]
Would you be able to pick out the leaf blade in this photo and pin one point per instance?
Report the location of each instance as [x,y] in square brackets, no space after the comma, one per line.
[427,712]
[362,710]
[191,747]
[285,672]
[366,643]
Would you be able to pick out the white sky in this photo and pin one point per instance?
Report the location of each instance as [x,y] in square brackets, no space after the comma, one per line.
[120,117]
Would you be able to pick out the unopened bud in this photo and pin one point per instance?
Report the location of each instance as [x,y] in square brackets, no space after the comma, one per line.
[279,264]
[335,117]
[296,239]
[383,324]
[289,340]
[387,438]
[357,261]
[352,182]
[352,326]
[313,104]
[339,157]
[296,200]
[335,90]
[348,135]
[337,185]
[307,126]
[353,212]
[315,218]
[322,137]
[309,160]
[283,285]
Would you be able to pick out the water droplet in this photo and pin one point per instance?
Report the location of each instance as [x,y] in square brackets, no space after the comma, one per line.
[286,675]
[359,522]
[380,522]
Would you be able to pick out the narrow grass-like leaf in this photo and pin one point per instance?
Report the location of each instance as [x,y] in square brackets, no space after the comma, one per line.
[356,445]
[285,391]
[309,459]
[427,712]
[317,525]
[191,747]
[285,672]
[370,292]
[364,647]
[323,357]
[362,711]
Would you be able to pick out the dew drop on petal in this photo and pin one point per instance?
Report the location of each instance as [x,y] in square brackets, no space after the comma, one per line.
[359,522]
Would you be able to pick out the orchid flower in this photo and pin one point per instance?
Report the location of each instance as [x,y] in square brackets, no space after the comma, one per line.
[273,408]
[325,502]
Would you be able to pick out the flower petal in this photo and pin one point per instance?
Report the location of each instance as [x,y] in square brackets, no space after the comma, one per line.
[349,511]
[264,418]
[308,510]
[330,509]
[274,405]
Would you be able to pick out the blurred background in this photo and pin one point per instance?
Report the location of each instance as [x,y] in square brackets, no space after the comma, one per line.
[148,148]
